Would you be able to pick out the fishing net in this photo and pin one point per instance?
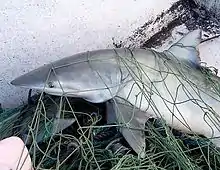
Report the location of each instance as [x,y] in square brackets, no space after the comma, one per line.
[86,141]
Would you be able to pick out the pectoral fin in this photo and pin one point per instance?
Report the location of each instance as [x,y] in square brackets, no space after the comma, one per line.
[132,121]
[49,129]
[61,124]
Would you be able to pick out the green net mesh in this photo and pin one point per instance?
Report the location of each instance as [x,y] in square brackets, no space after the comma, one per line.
[88,142]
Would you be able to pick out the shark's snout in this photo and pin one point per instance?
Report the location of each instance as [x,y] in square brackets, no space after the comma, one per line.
[34,79]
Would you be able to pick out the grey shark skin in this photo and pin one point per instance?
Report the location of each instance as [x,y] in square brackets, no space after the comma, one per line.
[170,85]
[95,76]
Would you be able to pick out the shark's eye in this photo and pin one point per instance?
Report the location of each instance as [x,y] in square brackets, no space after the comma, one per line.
[50,84]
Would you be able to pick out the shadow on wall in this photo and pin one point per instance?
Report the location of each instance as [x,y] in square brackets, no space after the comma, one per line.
[210,5]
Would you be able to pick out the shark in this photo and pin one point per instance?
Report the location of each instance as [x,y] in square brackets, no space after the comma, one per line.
[137,84]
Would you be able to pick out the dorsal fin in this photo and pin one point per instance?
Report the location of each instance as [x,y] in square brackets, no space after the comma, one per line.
[185,48]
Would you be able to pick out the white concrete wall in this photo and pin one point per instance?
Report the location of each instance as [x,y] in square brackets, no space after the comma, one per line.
[33,33]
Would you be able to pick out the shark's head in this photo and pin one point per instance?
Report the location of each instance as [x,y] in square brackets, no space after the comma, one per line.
[43,78]
[95,81]
[62,81]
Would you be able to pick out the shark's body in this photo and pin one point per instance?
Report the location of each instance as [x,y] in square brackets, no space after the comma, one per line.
[170,85]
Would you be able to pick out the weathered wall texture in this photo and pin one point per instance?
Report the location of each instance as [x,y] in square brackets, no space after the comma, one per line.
[33,33]
[211,5]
